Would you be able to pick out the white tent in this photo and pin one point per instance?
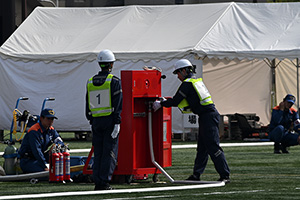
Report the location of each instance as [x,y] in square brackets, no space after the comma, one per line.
[53,53]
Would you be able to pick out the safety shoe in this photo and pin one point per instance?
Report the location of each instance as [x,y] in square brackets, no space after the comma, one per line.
[225,179]
[192,178]
[103,187]
[284,149]
[277,148]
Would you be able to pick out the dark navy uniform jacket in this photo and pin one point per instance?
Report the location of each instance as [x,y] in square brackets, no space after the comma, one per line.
[37,141]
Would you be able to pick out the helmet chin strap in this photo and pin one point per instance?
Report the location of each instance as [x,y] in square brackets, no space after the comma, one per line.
[183,75]
[110,67]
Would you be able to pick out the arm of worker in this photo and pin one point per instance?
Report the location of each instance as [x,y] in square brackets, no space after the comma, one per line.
[56,137]
[117,99]
[170,102]
[296,123]
[117,102]
[177,98]
[277,116]
[88,113]
[36,148]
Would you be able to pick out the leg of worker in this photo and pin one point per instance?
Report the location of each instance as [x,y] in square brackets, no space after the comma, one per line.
[277,133]
[109,157]
[277,148]
[290,139]
[201,156]
[30,166]
[212,142]
[97,142]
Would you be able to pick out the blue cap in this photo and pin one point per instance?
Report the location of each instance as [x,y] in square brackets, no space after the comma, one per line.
[290,98]
[48,112]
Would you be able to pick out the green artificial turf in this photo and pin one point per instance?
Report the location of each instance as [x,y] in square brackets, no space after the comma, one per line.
[256,173]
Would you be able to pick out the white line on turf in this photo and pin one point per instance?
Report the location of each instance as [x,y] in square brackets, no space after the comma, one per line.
[136,190]
[190,146]
[231,192]
[143,197]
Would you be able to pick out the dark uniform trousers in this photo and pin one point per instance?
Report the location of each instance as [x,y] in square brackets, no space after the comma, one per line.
[209,144]
[105,153]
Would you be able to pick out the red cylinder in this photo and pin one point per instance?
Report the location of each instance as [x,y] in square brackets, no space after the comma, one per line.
[67,165]
[61,167]
[54,168]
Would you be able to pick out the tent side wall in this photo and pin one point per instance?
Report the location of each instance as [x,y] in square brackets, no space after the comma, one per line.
[37,81]
[239,86]
[286,80]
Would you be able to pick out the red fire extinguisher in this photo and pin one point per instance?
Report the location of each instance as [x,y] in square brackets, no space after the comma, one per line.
[61,165]
[54,167]
[67,173]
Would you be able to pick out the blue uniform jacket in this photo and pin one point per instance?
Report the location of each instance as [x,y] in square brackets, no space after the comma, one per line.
[37,141]
[284,118]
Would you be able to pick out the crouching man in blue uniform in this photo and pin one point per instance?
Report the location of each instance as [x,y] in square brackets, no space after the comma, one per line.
[193,96]
[36,142]
[285,125]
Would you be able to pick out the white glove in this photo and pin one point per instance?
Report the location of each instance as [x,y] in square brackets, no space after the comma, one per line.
[162,99]
[156,105]
[116,131]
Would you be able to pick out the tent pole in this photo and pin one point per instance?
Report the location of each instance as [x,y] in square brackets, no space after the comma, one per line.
[298,84]
[273,89]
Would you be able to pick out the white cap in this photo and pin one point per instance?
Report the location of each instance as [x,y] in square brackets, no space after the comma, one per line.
[182,63]
[106,56]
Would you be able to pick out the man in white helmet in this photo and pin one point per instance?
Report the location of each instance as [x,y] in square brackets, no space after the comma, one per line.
[193,96]
[103,110]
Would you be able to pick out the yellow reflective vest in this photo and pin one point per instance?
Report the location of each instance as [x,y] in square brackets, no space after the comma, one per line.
[100,97]
[203,93]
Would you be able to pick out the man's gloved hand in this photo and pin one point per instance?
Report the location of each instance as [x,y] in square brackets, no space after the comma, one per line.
[156,105]
[116,131]
[162,99]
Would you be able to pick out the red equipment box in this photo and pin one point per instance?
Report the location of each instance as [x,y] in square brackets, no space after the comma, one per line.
[141,87]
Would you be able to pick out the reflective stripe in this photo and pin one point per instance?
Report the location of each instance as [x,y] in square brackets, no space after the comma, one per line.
[205,101]
[117,92]
[182,94]
[90,81]
[102,111]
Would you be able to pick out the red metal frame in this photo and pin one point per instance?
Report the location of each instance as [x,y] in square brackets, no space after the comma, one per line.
[139,88]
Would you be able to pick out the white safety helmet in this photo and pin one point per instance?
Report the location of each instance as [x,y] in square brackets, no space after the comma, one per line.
[182,63]
[106,56]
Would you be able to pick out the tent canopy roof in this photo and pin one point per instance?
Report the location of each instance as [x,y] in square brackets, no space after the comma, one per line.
[224,30]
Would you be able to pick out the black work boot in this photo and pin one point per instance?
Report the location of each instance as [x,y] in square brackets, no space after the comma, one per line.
[225,179]
[193,178]
[284,149]
[277,148]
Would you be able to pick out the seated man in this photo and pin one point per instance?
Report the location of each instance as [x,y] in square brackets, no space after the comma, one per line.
[36,142]
[284,123]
